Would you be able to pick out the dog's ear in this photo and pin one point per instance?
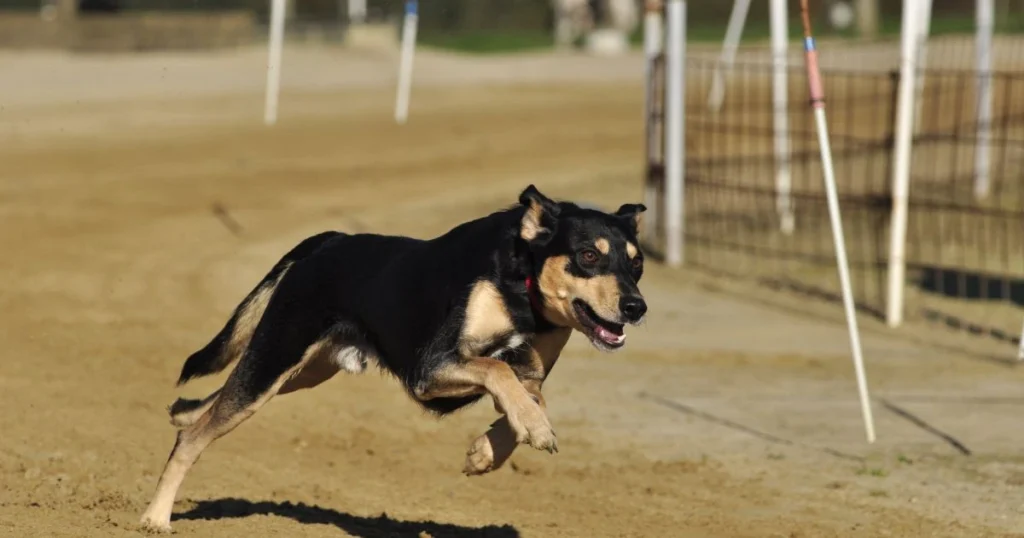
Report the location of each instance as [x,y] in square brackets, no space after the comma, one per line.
[631,214]
[540,221]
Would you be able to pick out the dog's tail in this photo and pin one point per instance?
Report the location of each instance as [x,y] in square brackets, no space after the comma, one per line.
[233,339]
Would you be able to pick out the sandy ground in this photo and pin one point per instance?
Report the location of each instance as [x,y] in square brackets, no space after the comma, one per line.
[722,417]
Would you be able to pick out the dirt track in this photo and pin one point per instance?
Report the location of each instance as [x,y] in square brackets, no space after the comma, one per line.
[117,267]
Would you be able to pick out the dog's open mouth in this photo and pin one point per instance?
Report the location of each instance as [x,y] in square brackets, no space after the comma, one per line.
[600,331]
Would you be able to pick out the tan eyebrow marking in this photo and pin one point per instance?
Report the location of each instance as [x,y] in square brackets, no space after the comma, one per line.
[603,245]
[631,250]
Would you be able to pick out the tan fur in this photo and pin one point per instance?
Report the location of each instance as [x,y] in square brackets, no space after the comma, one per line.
[319,367]
[213,419]
[315,372]
[218,420]
[639,223]
[325,358]
[487,318]
[486,375]
[188,418]
[492,449]
[631,250]
[531,227]
[559,288]
[603,246]
[547,347]
[248,318]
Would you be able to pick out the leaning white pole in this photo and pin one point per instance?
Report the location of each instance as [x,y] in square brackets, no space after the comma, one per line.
[405,63]
[674,136]
[1020,351]
[654,44]
[780,114]
[924,24]
[983,140]
[901,167]
[277,9]
[733,33]
[817,95]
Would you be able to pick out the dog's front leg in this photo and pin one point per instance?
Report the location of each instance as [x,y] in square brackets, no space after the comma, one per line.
[492,449]
[466,377]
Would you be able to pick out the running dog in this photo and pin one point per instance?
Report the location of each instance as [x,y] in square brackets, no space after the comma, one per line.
[485,308]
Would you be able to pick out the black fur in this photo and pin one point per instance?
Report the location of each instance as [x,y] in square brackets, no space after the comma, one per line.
[485,308]
[405,298]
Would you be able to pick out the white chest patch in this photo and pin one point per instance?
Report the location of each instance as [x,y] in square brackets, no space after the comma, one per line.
[511,343]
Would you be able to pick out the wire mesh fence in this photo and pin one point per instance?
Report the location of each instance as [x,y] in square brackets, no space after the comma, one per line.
[965,252]
[965,243]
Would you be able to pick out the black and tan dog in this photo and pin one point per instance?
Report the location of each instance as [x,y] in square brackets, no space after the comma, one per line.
[484,309]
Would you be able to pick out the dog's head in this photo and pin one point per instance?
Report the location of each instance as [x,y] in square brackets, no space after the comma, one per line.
[587,265]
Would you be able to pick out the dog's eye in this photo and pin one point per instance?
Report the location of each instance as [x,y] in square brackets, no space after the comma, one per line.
[588,257]
[638,263]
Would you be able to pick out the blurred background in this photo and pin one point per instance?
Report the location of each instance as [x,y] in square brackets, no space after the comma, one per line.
[465,25]
[143,193]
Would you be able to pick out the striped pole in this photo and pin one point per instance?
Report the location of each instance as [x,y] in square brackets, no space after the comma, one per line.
[817,93]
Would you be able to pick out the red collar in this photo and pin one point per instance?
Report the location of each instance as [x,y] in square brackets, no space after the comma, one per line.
[533,292]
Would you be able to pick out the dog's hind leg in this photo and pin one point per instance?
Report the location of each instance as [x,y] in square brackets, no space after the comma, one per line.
[277,352]
[237,401]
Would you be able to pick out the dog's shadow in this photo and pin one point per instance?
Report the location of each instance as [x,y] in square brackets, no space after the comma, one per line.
[366,527]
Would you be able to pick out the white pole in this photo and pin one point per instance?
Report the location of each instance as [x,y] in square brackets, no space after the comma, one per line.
[356,11]
[675,141]
[654,40]
[923,27]
[780,114]
[844,273]
[901,167]
[733,33]
[405,64]
[817,95]
[983,50]
[1020,352]
[277,10]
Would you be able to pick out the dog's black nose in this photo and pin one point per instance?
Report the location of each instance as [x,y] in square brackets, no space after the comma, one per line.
[633,307]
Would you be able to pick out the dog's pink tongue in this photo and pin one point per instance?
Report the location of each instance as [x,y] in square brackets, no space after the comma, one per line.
[609,337]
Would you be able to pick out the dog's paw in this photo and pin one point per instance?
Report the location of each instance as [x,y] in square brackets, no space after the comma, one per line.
[153,526]
[532,427]
[479,457]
